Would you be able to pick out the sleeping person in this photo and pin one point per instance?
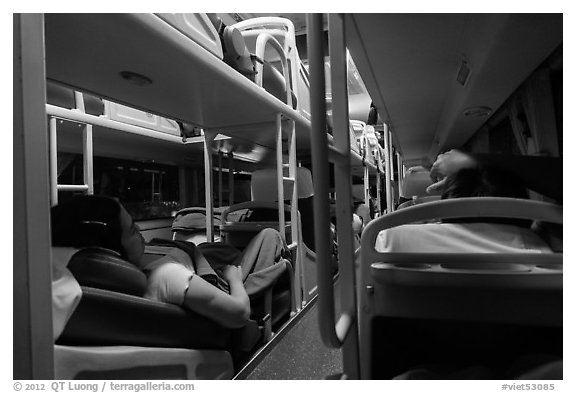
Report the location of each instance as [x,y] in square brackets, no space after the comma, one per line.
[173,277]
[459,176]
[540,174]
[468,235]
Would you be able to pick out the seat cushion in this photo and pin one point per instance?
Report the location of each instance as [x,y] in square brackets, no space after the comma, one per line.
[112,311]
[101,268]
[104,318]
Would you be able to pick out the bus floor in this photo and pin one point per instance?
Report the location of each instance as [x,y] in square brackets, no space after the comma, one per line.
[301,354]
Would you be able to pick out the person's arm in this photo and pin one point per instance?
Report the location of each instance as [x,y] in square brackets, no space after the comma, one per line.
[231,310]
[540,174]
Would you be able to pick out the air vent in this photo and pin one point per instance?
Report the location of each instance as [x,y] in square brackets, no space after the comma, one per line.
[463,72]
[478,111]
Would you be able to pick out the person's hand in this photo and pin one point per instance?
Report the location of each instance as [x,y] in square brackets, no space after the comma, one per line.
[232,273]
[447,164]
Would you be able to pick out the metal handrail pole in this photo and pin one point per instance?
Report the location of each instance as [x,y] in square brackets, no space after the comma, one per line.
[346,328]
[389,199]
[280,178]
[87,146]
[319,144]
[53,160]
[208,185]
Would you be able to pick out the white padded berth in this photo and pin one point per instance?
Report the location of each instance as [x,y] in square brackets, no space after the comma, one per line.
[490,275]
[127,362]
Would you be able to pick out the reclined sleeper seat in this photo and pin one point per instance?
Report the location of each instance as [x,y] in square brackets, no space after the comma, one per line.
[113,314]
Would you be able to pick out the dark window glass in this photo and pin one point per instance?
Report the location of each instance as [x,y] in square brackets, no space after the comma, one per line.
[502,139]
[147,190]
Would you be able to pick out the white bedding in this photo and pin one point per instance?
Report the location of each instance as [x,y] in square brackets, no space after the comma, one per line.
[460,238]
[66,292]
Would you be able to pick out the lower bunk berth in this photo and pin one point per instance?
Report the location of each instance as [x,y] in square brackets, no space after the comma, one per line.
[110,330]
[111,289]
[458,299]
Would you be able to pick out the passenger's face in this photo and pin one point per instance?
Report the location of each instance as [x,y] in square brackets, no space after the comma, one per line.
[132,241]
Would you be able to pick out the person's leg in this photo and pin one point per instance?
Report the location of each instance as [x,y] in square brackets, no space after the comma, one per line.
[263,251]
[260,261]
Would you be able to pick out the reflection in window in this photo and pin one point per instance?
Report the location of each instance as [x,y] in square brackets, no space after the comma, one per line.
[147,190]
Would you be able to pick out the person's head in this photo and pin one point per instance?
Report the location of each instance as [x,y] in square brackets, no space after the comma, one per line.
[482,182]
[96,221]
[357,223]
[372,115]
[364,211]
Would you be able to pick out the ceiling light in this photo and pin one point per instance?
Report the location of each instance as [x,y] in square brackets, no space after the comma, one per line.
[478,111]
[136,79]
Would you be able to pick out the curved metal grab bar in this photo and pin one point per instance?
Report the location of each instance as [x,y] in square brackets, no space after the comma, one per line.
[476,207]
[333,332]
[261,42]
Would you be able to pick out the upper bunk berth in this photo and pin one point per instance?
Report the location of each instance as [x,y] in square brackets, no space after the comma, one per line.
[172,66]
[145,62]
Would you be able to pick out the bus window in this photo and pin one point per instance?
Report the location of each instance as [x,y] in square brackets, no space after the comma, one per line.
[147,190]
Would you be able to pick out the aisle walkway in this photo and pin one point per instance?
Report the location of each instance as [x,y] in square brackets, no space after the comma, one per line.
[300,354]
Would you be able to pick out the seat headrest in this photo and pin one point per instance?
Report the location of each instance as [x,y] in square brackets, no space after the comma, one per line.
[264,185]
[358,192]
[104,269]
[193,219]
[415,182]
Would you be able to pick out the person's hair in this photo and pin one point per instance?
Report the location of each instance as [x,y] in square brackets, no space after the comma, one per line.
[87,221]
[483,182]
[372,115]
